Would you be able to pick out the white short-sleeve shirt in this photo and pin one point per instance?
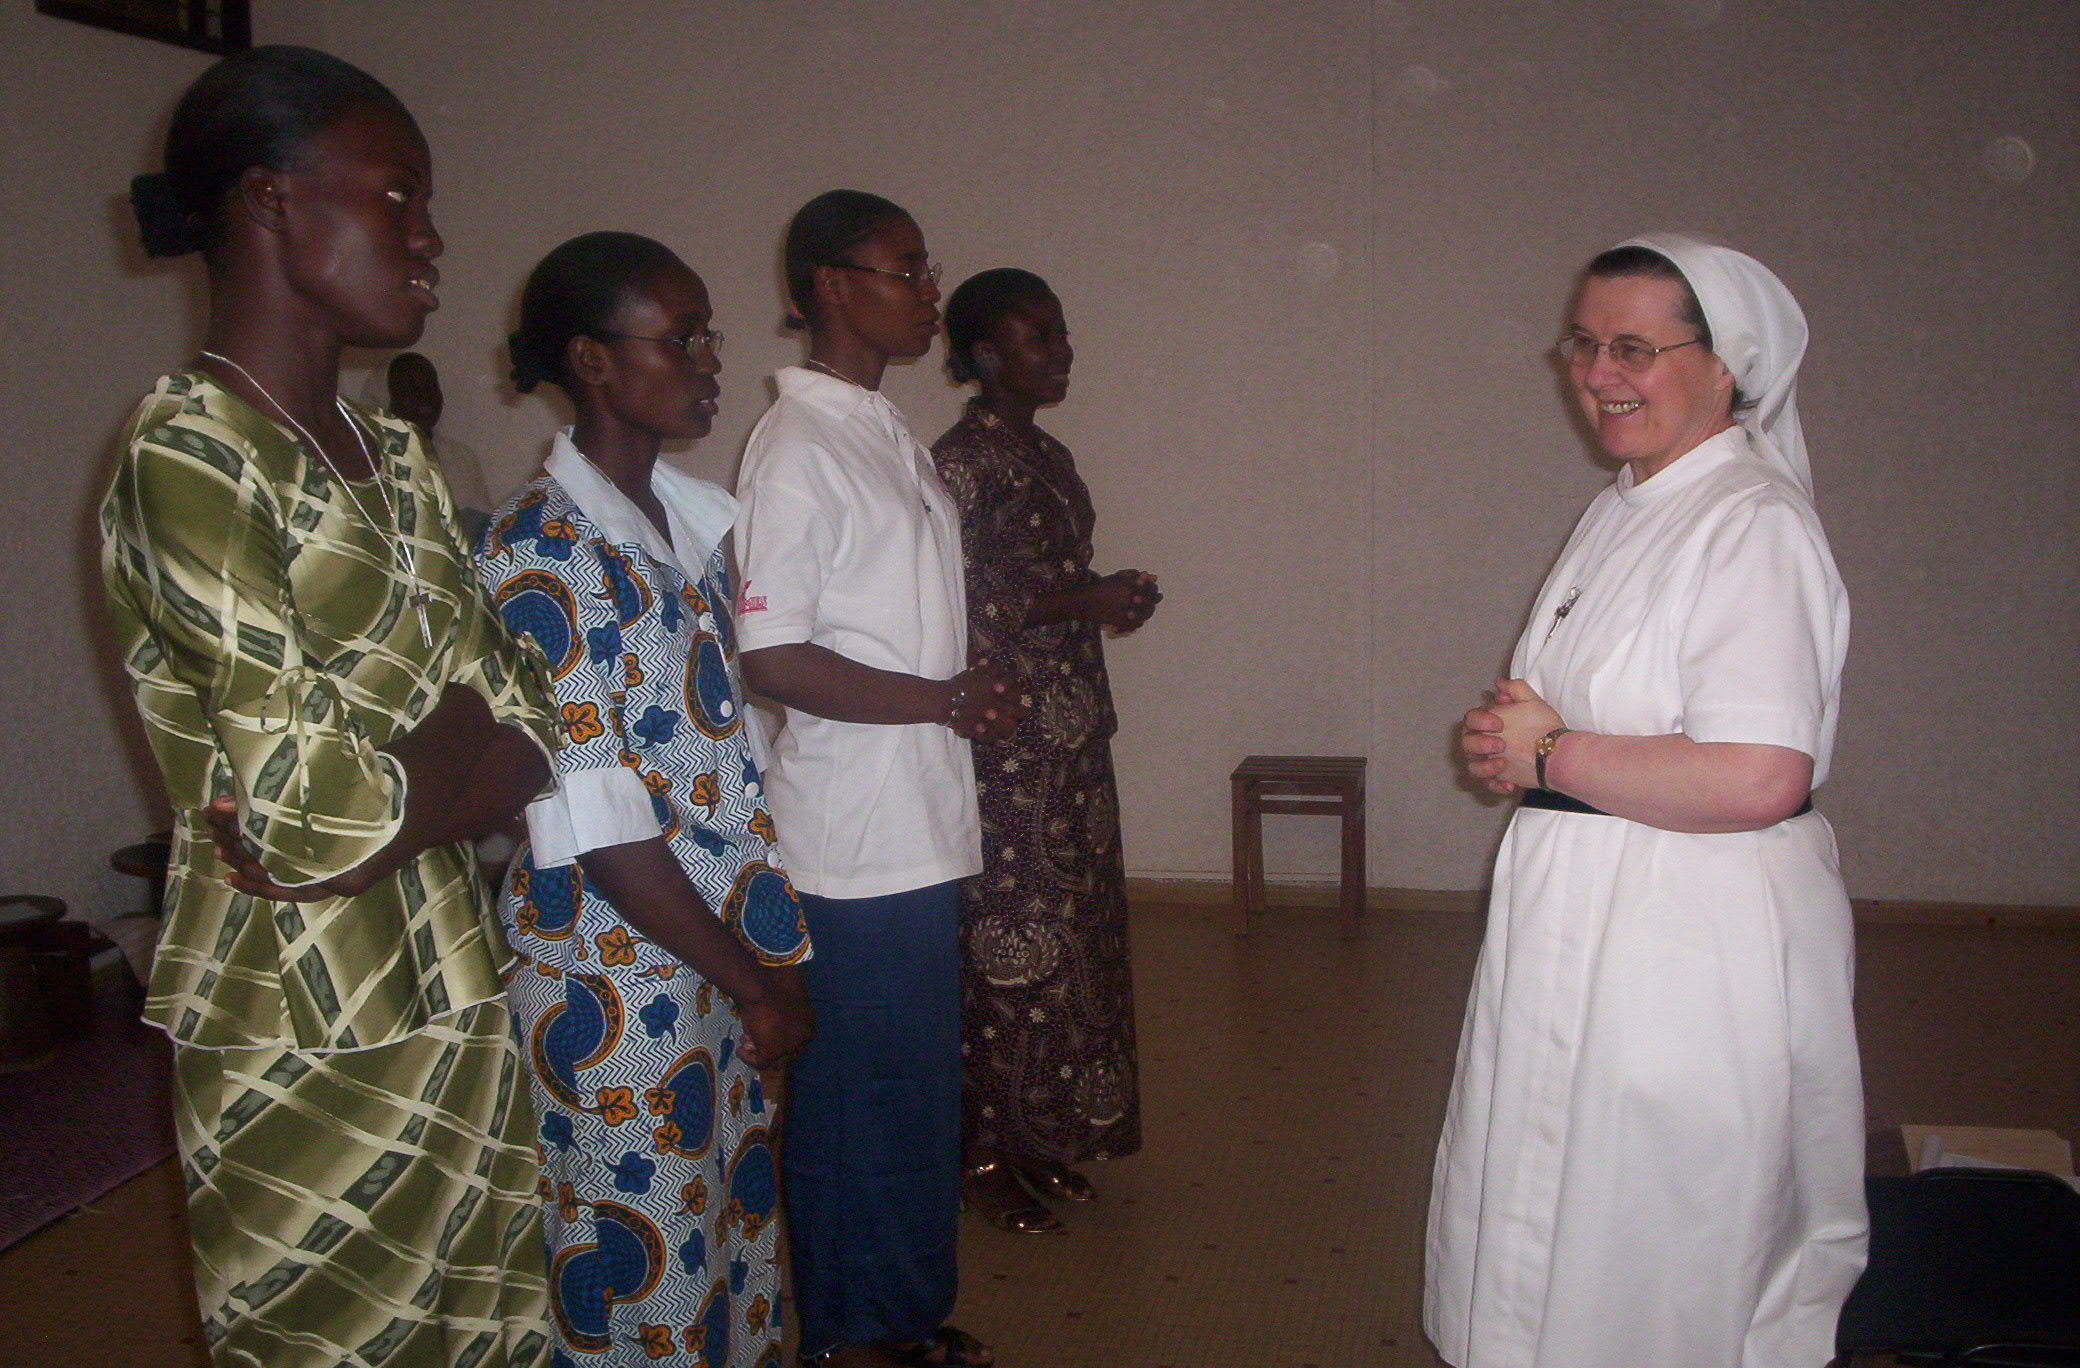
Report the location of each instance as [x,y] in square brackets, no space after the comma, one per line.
[847,540]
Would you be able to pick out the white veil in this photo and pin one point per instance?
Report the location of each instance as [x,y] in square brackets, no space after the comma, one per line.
[1758,330]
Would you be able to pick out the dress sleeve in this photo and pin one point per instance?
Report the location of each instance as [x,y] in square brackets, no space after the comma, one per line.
[787,541]
[1765,631]
[1000,585]
[201,549]
[545,590]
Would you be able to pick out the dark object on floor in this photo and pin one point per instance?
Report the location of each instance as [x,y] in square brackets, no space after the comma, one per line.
[1970,1267]
[46,979]
[97,1113]
[63,954]
[25,1019]
[1331,785]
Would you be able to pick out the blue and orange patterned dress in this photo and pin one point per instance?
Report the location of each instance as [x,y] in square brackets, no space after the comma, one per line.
[657,1158]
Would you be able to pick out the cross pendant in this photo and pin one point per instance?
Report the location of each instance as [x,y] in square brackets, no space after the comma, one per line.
[419,602]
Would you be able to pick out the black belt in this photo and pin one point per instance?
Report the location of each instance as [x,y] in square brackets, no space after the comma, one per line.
[1552,800]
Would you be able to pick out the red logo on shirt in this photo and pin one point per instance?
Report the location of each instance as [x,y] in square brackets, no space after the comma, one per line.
[747,603]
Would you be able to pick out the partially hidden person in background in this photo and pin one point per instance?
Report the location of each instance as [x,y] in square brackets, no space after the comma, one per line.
[327,693]
[1654,1146]
[408,386]
[853,619]
[1048,1077]
[657,932]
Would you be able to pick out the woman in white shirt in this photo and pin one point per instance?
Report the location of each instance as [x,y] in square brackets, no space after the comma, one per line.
[852,616]
[1653,1152]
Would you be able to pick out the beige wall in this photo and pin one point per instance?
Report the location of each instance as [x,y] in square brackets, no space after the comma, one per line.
[89,323]
[1311,254]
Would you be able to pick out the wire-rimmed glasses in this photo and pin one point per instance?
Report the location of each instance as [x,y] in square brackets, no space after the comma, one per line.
[1631,354]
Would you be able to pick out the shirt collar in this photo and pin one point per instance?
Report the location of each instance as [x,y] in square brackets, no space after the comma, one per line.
[1686,469]
[986,419]
[983,413]
[839,398]
[700,513]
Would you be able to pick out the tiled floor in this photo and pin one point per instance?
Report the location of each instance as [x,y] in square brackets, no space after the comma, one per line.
[1293,1085]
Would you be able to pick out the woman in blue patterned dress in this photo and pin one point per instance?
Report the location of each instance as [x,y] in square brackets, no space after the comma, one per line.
[649,880]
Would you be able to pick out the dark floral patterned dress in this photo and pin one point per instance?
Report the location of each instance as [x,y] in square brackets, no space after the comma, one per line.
[1047,994]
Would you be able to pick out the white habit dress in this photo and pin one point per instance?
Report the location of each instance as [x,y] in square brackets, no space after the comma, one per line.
[1654,1149]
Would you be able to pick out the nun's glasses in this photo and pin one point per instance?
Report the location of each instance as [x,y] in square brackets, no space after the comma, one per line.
[1628,353]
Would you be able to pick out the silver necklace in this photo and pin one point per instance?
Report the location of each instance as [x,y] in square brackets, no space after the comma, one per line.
[407,559]
[834,374]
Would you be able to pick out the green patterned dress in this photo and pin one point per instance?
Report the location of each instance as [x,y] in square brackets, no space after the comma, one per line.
[354,1127]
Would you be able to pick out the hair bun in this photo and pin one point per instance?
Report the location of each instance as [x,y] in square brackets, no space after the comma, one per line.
[166,226]
[527,372]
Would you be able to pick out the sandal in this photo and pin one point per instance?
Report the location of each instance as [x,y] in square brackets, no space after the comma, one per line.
[949,1347]
[1058,1181]
[990,1190]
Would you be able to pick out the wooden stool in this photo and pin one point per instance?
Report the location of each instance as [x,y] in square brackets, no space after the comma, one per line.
[147,860]
[1331,784]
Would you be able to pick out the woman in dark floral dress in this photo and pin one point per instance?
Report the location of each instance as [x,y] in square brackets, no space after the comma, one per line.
[1047,1016]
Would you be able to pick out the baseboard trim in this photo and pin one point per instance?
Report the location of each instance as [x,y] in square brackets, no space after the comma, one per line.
[1217,892]
[1155,892]
[1880,911]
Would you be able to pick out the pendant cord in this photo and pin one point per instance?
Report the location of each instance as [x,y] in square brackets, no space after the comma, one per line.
[407,558]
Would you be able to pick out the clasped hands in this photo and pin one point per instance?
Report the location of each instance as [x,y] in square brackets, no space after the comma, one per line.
[1124,599]
[986,703]
[1498,741]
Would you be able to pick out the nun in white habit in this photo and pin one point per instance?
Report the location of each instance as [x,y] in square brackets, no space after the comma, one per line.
[1653,1152]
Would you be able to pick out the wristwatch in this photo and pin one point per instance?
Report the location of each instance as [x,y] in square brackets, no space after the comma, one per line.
[1544,750]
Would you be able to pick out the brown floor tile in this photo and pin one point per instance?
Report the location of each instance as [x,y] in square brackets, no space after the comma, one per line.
[1293,1085]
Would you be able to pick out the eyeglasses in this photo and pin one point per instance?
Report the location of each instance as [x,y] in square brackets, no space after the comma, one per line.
[916,278]
[693,344]
[1632,354]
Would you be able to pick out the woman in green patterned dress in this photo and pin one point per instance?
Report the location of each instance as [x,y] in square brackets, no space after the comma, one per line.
[324,685]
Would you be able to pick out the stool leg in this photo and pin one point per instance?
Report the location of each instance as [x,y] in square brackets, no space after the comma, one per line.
[1255,817]
[1353,863]
[1238,798]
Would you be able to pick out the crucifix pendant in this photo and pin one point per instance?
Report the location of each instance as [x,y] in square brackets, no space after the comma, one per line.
[419,602]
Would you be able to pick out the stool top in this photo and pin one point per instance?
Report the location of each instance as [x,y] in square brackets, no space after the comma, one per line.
[23,912]
[1300,767]
[145,860]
